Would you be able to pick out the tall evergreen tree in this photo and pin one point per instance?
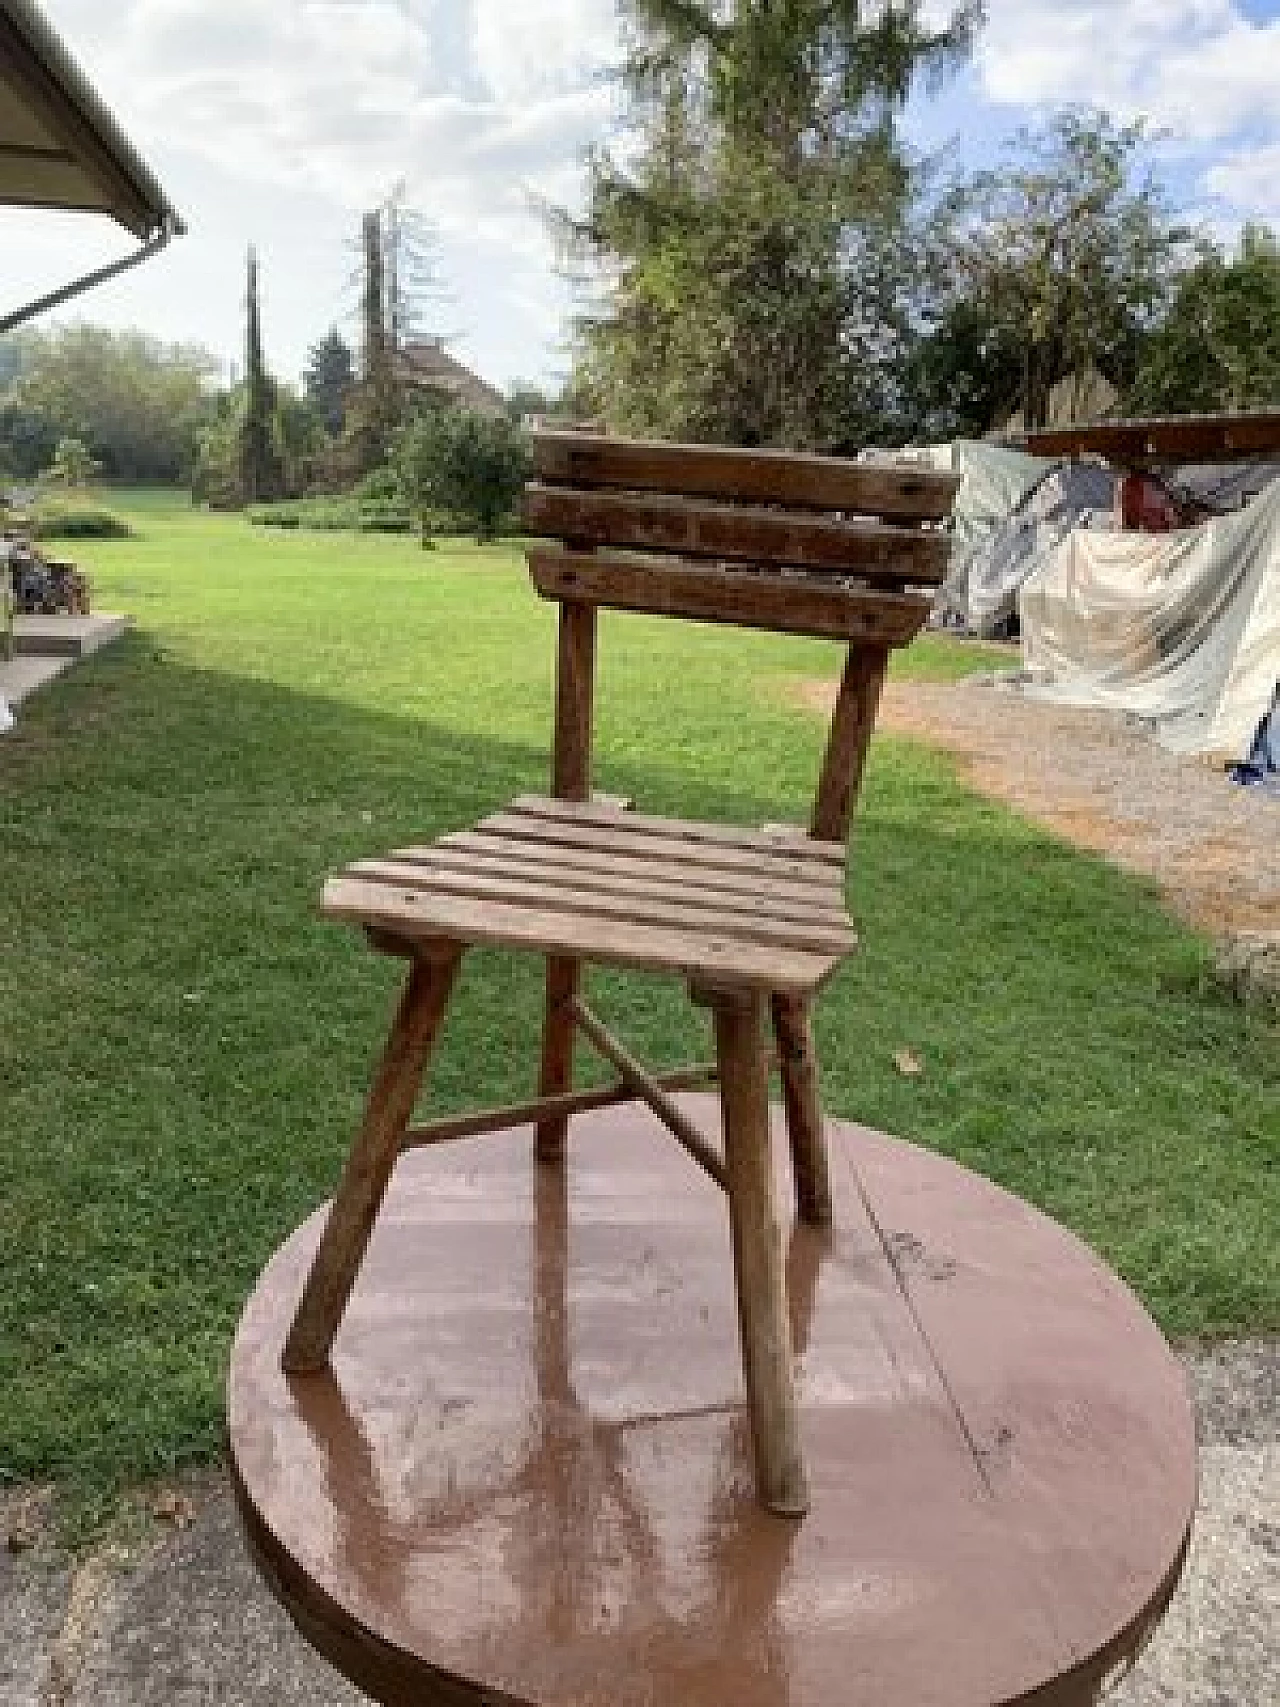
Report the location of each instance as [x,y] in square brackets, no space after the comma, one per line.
[259,464]
[755,256]
[374,411]
[328,379]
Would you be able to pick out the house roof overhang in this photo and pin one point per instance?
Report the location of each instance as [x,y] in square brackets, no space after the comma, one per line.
[59,146]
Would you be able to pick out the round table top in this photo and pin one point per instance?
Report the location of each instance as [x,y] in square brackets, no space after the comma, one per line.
[527,1477]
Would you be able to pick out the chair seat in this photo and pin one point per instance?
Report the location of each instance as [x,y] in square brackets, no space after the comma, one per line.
[592,881]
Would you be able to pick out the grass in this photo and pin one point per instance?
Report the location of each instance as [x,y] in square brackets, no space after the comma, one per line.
[184,1045]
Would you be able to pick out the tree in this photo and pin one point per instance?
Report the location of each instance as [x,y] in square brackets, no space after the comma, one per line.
[329,377]
[72,464]
[137,404]
[373,413]
[1067,255]
[961,377]
[410,269]
[1219,345]
[472,466]
[260,473]
[754,259]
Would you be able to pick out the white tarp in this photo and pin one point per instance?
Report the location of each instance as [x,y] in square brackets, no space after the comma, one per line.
[1182,628]
[993,482]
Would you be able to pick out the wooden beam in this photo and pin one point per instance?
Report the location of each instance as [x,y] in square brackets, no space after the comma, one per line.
[569,1102]
[783,603]
[648,1089]
[762,476]
[1165,438]
[656,522]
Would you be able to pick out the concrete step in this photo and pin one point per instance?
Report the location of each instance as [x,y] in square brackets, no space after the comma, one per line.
[22,676]
[64,636]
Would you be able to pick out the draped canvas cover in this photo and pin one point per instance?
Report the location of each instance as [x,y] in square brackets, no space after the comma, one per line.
[1181,628]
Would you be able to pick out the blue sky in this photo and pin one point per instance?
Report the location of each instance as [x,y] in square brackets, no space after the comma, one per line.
[275,121]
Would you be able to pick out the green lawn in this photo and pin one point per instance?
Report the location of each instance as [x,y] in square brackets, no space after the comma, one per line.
[184,1044]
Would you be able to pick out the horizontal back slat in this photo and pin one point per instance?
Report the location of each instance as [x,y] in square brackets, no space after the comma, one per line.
[746,533]
[756,476]
[788,604]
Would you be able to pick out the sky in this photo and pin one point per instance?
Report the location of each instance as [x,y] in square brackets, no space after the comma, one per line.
[276,121]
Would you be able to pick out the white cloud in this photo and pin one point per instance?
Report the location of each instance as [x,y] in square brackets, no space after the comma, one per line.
[1199,68]
[475,103]
[1248,180]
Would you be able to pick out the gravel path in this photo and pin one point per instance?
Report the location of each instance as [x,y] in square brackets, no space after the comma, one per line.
[1106,786]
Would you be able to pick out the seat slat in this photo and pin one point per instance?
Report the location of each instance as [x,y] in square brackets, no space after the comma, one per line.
[670,850]
[688,914]
[794,603]
[419,915]
[893,556]
[771,843]
[749,899]
[761,476]
[579,864]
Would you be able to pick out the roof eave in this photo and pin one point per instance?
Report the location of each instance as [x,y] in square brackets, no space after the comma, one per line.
[55,87]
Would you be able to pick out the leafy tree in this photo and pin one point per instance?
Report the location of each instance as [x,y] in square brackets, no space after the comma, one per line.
[260,471]
[1219,345]
[470,465]
[140,406]
[329,377]
[960,377]
[755,259]
[72,464]
[1066,255]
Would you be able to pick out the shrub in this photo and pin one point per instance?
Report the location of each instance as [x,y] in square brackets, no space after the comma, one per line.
[334,515]
[78,521]
[466,464]
[379,485]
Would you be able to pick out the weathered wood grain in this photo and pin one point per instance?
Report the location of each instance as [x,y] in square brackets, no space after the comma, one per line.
[761,476]
[882,553]
[784,604]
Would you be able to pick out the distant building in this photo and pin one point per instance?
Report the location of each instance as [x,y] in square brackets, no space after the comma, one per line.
[428,366]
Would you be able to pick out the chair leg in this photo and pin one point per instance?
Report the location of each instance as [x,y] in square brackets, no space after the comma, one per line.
[763,1319]
[798,1063]
[371,1162]
[558,1036]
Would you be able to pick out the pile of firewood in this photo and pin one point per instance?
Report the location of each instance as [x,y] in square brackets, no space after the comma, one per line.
[40,585]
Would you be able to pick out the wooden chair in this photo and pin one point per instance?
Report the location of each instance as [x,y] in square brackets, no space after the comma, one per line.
[753,921]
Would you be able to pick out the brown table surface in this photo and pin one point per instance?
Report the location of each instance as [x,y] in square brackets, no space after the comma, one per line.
[528,1480]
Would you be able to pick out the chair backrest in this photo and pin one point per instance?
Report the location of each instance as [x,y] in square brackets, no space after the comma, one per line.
[799,544]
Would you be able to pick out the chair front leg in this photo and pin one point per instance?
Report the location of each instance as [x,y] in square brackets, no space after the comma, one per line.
[372,1160]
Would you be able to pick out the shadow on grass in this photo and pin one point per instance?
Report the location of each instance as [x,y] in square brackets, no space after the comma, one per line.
[187,1044]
